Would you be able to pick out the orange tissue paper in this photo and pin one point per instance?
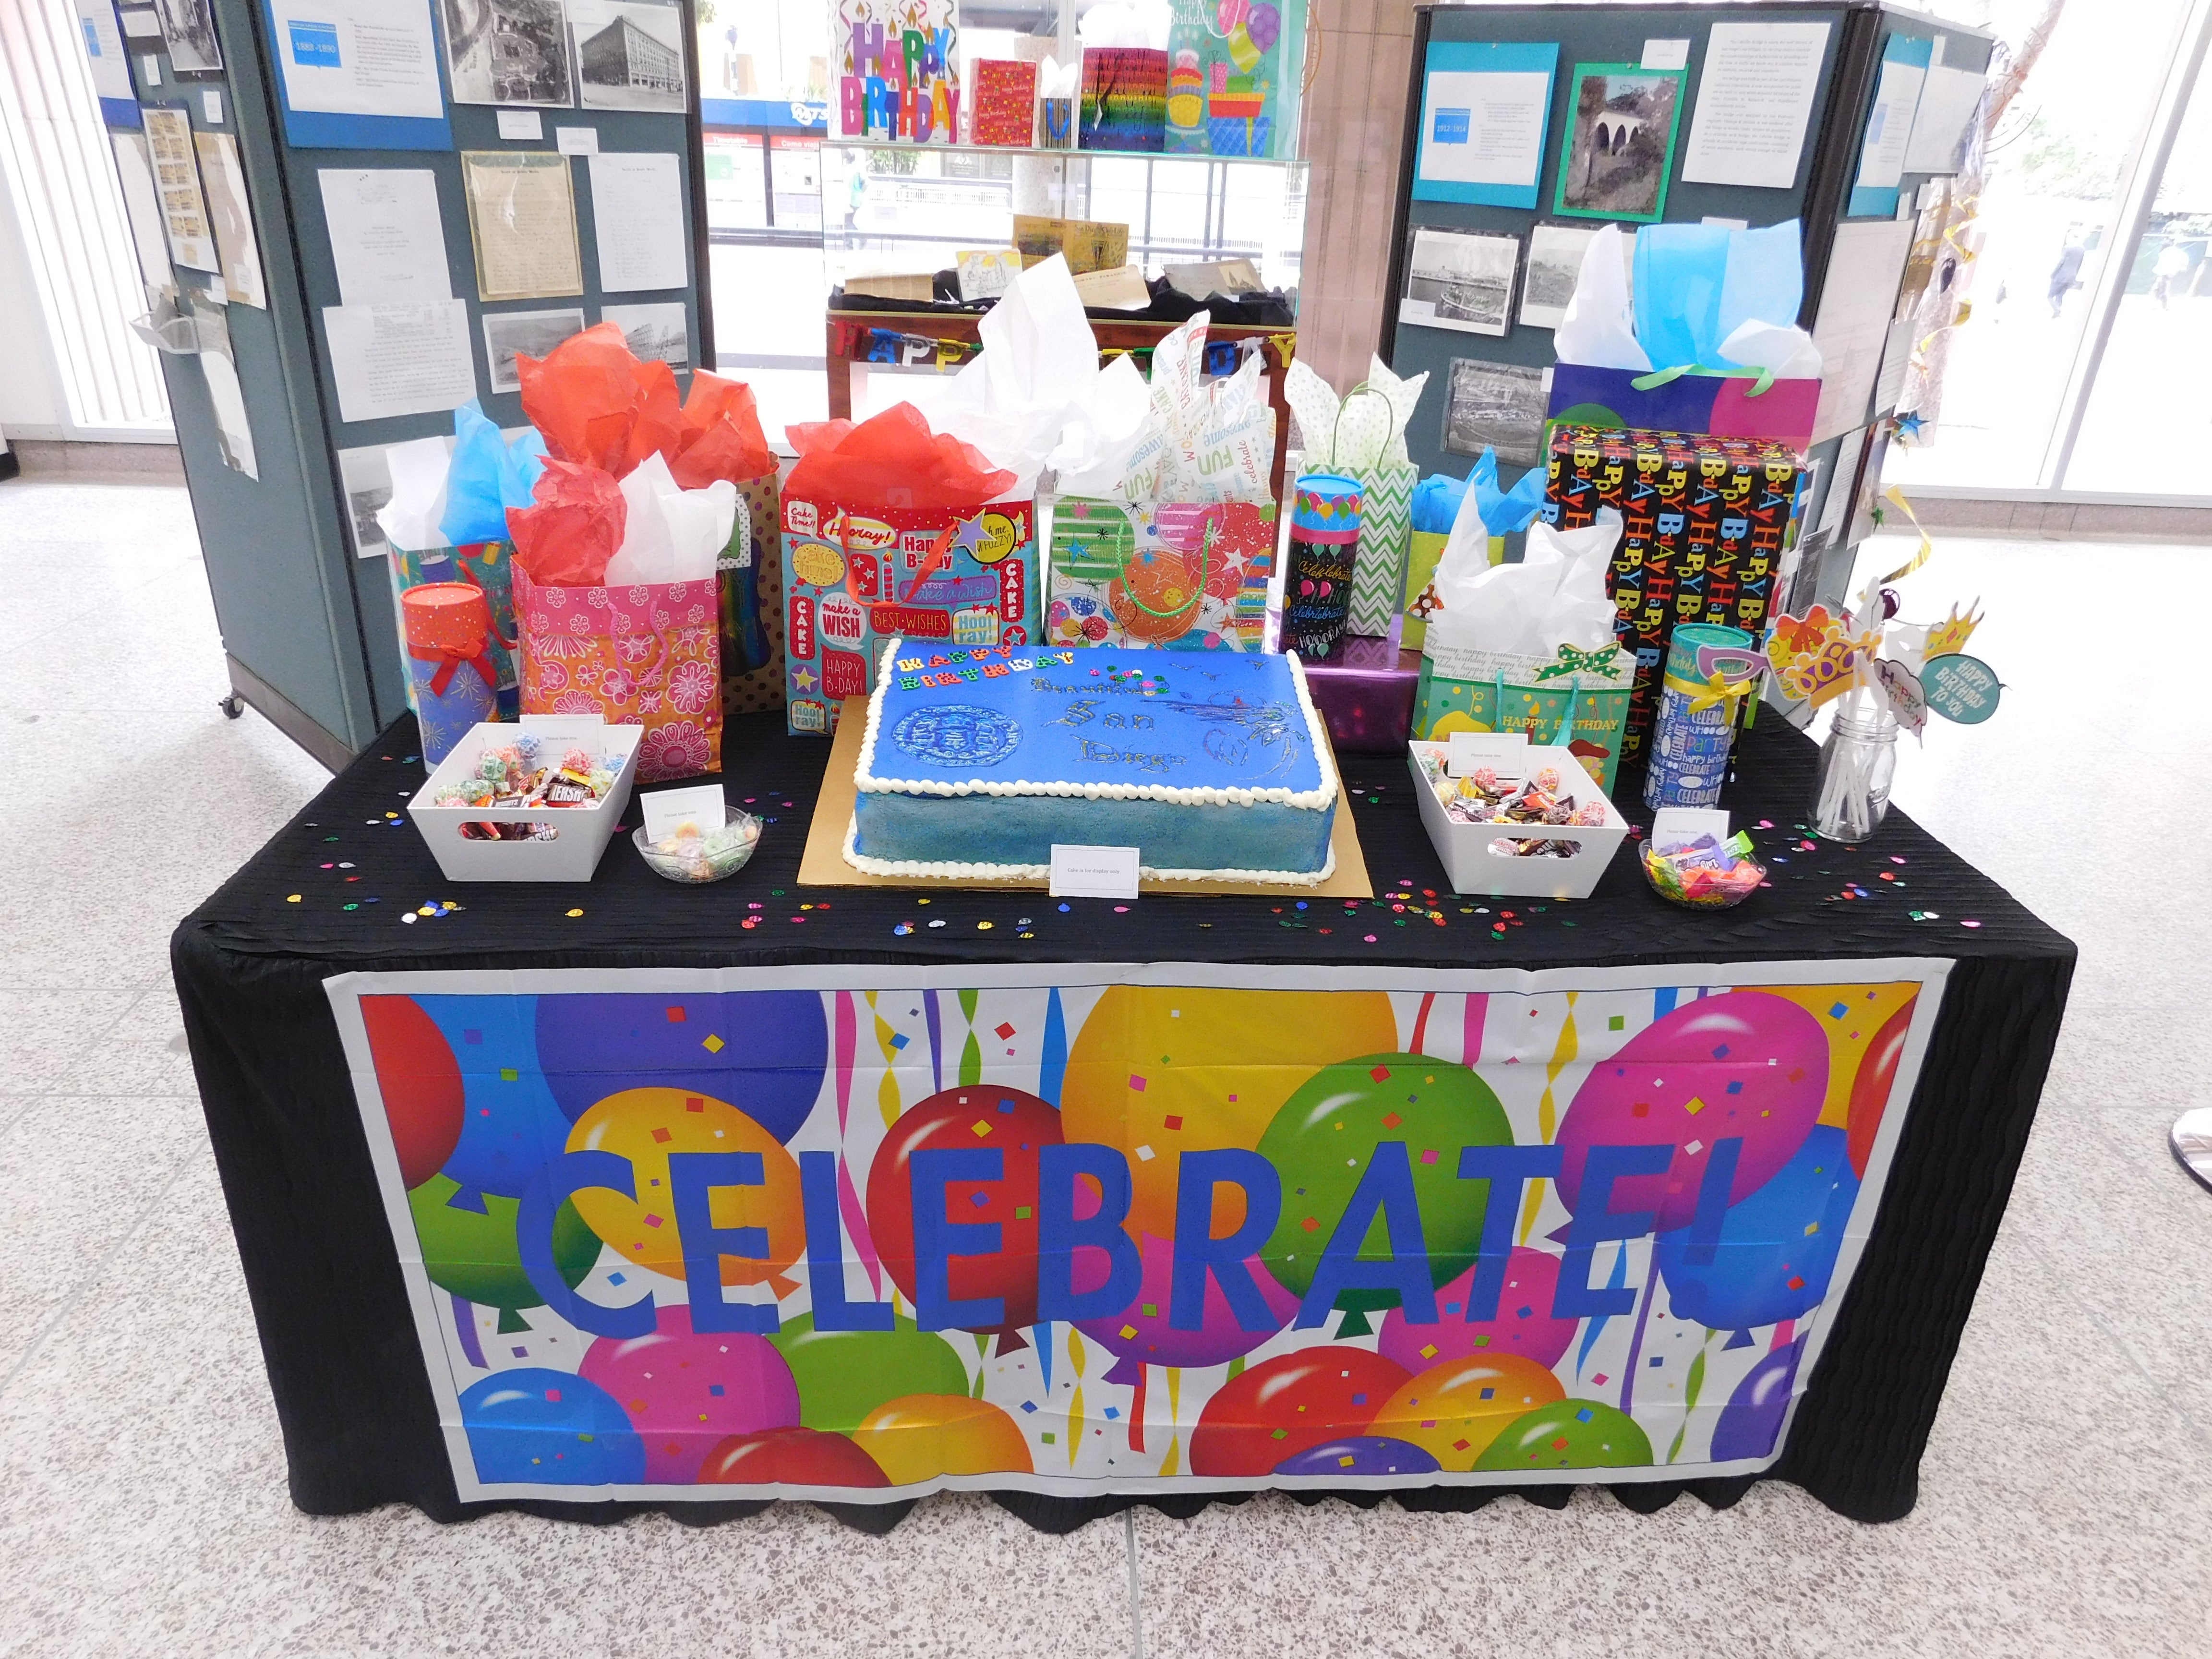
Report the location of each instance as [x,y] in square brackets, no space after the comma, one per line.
[573,528]
[891,460]
[721,434]
[596,405]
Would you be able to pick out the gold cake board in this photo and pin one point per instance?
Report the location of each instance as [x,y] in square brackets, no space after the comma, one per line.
[823,863]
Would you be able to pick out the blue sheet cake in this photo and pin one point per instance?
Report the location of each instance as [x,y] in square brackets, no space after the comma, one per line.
[974,762]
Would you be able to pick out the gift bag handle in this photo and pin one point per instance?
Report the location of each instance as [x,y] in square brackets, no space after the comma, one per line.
[1336,429]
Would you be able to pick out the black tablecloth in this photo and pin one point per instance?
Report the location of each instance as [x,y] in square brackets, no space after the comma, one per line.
[330,891]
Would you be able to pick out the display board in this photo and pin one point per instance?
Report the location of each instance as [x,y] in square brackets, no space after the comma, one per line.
[1528,127]
[435,186]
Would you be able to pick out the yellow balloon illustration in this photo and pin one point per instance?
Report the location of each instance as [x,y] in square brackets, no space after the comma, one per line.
[1852,1016]
[1158,1072]
[646,1126]
[919,1437]
[1455,1410]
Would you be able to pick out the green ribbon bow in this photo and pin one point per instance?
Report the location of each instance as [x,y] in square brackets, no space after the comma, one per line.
[1659,377]
[1571,661]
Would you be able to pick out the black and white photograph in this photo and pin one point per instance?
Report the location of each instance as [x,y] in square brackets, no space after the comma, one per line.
[508,52]
[366,476]
[656,333]
[1495,405]
[1461,280]
[532,333]
[629,54]
[1621,142]
[188,30]
[1555,262]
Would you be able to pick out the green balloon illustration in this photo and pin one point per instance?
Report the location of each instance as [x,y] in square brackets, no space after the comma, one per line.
[474,1255]
[1568,1434]
[842,1375]
[1323,1139]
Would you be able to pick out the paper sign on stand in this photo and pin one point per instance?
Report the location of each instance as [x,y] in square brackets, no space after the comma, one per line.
[667,810]
[1501,752]
[1081,871]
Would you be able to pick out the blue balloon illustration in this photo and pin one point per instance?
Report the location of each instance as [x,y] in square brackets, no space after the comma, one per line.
[510,1126]
[762,1051]
[1360,1454]
[549,1427]
[1776,1248]
[1751,1422]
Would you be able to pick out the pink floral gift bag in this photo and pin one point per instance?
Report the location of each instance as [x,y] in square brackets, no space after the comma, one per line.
[647,656]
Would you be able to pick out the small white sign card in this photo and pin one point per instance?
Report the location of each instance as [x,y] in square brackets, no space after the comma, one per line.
[1093,872]
[1505,752]
[1676,827]
[667,810]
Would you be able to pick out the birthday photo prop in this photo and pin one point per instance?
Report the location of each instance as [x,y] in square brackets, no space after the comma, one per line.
[863,1233]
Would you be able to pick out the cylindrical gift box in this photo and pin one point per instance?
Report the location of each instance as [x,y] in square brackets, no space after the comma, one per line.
[1325,515]
[1690,745]
[448,630]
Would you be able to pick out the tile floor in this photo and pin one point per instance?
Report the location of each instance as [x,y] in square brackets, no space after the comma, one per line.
[142,1507]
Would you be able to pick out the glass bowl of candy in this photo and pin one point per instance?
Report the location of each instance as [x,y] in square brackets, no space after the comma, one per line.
[1708,880]
[699,855]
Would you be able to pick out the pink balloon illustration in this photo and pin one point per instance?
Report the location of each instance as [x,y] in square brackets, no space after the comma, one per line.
[1744,1065]
[1524,1328]
[686,1391]
[1140,1334]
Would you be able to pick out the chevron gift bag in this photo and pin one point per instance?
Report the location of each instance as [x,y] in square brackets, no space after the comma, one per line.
[1386,543]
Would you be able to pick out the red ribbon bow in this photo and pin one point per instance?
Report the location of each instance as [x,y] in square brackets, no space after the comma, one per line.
[449,662]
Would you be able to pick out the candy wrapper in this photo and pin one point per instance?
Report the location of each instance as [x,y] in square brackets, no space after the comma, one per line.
[1691,858]
[575,528]
[598,406]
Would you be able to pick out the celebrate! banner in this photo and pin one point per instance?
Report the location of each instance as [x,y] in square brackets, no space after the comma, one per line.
[867,1232]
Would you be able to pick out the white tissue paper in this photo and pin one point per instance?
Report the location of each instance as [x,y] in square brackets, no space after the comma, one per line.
[1512,619]
[1195,442]
[1036,397]
[1058,80]
[1365,429]
[671,534]
[1789,352]
[1599,329]
[410,519]
[1140,23]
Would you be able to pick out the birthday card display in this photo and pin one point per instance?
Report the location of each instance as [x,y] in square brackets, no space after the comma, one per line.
[1224,74]
[898,70]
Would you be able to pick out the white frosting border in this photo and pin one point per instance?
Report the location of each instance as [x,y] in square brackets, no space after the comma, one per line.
[864,781]
[949,871]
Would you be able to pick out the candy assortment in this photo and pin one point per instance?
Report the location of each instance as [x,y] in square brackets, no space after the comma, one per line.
[520,774]
[1481,797]
[1707,873]
[695,853]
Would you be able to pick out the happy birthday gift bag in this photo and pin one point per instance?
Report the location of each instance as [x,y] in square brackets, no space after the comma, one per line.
[1191,577]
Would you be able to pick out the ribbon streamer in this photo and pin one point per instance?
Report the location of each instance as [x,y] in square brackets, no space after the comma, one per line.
[1659,377]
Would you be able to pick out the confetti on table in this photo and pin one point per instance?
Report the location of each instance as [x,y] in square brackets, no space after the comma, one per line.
[291,898]
[575,913]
